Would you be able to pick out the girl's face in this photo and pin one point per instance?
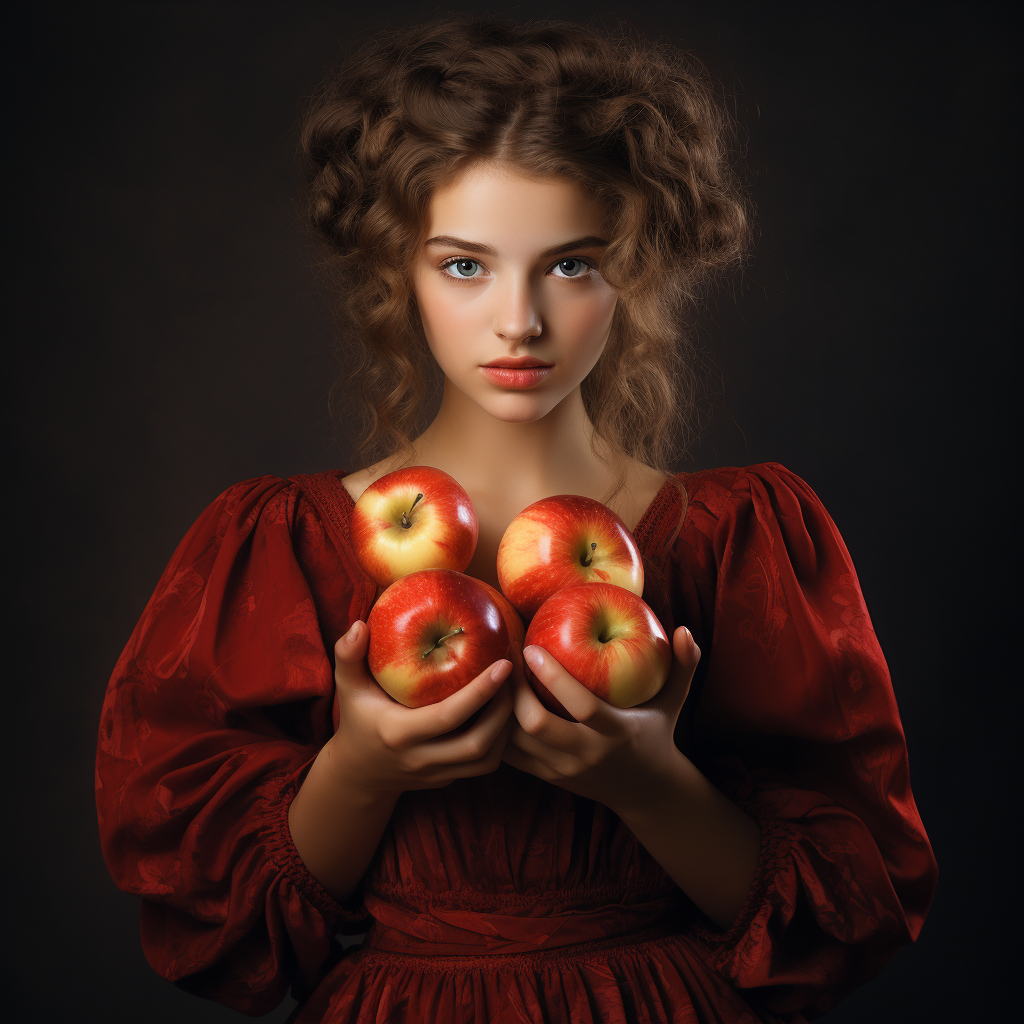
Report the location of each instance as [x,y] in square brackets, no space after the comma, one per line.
[508,272]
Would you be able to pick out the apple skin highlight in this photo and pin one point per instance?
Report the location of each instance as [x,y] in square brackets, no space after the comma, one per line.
[431,633]
[513,623]
[563,541]
[606,638]
[415,518]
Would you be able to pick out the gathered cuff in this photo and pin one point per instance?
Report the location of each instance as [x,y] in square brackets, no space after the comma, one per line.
[777,840]
[350,917]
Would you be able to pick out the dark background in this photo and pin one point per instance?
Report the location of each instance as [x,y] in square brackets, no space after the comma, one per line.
[173,342]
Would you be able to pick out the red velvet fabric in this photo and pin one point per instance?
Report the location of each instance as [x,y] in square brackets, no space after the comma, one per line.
[502,898]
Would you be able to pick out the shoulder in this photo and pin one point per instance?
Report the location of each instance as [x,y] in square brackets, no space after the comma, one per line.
[759,515]
[301,521]
[356,482]
[758,505]
[258,502]
[713,493]
[300,503]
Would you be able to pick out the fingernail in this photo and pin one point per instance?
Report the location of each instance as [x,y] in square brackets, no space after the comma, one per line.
[500,670]
[353,631]
[533,656]
[688,633]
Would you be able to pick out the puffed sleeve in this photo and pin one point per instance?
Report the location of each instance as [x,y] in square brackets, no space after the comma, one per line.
[797,722]
[214,713]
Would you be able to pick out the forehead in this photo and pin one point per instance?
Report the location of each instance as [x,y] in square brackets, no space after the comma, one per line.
[512,211]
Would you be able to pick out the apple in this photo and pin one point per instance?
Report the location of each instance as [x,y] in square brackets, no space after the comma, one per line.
[605,637]
[562,541]
[431,633]
[415,518]
[514,624]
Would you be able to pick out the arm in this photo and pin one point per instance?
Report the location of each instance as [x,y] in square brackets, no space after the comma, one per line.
[797,724]
[337,828]
[795,729]
[627,759]
[706,844]
[216,718]
[381,749]
[214,713]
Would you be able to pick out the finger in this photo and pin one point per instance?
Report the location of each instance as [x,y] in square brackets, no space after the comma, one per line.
[532,754]
[349,667]
[473,743]
[686,655]
[488,763]
[514,755]
[351,647]
[687,652]
[415,725]
[550,730]
[532,745]
[572,694]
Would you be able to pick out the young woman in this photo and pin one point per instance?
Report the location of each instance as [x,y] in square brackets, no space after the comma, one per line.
[529,216]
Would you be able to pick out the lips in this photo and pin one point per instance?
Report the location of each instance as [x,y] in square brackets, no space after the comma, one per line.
[522,363]
[511,377]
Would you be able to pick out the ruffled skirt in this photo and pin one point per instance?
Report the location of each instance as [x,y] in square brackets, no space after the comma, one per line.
[648,976]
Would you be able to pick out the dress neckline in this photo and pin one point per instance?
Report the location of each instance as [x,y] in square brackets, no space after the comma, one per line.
[649,530]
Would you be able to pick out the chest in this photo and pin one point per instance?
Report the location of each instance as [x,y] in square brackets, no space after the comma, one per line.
[493,516]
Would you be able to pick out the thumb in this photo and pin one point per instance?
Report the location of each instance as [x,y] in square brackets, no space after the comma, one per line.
[349,652]
[685,647]
[351,648]
[687,656]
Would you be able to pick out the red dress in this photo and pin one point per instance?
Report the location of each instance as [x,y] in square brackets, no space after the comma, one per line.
[502,898]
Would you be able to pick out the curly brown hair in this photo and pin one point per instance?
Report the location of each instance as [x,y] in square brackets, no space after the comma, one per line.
[634,122]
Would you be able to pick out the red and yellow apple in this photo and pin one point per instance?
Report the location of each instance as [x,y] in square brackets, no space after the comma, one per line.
[514,624]
[605,637]
[415,518]
[431,633]
[562,541]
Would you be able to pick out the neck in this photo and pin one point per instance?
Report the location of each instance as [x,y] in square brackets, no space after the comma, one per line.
[549,455]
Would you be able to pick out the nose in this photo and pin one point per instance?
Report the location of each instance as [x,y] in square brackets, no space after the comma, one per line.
[517,316]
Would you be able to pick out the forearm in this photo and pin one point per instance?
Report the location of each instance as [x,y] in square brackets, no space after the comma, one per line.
[705,843]
[335,827]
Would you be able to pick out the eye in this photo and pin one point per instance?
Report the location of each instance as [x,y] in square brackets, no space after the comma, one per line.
[574,267]
[461,268]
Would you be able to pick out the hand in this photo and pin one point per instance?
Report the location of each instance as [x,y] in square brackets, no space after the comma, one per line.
[383,748]
[612,755]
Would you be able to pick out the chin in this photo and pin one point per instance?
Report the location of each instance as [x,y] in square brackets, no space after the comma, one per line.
[511,406]
[521,408]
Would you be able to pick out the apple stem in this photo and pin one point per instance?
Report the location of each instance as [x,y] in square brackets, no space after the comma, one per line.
[405,522]
[586,559]
[437,643]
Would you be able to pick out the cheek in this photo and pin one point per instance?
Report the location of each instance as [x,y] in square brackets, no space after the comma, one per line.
[588,320]
[446,321]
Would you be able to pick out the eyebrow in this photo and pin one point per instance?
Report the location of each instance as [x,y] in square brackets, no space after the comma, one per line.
[588,241]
